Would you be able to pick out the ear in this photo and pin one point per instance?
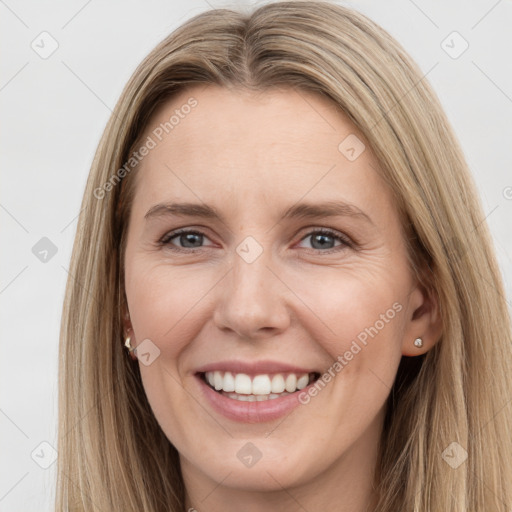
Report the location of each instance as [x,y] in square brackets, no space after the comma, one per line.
[424,321]
[128,330]
[127,324]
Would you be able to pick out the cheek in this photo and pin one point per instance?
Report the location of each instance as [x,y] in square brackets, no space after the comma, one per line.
[355,307]
[359,325]
[161,300]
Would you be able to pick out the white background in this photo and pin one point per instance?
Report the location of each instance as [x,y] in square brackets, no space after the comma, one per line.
[54,111]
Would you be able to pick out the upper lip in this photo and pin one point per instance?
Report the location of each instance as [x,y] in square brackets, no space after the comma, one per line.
[253,367]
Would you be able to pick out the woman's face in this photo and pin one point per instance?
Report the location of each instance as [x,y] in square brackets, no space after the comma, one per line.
[293,268]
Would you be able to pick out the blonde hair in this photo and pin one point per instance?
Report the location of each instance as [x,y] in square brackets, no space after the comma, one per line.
[112,453]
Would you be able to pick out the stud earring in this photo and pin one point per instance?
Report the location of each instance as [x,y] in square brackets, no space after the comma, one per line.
[418,342]
[131,349]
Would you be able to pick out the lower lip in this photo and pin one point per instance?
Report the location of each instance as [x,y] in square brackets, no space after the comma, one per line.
[250,412]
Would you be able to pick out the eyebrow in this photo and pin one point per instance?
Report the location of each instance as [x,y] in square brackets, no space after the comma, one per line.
[296,211]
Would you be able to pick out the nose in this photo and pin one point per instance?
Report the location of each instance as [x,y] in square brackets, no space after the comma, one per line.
[252,300]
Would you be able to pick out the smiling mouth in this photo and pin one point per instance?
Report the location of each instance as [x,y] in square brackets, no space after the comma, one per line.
[258,388]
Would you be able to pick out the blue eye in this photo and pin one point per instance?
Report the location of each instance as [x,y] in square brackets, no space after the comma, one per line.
[188,239]
[322,240]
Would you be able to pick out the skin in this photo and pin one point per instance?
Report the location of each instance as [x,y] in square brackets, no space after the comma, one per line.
[251,156]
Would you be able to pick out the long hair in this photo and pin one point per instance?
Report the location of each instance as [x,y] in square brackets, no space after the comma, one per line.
[450,403]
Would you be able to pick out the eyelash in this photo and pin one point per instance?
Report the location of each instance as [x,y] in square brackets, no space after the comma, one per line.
[345,241]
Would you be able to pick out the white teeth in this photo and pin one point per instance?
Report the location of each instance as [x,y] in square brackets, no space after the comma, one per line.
[252,398]
[278,383]
[261,387]
[291,383]
[302,381]
[229,382]
[243,384]
[218,380]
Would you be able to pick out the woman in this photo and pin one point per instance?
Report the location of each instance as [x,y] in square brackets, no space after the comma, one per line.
[284,293]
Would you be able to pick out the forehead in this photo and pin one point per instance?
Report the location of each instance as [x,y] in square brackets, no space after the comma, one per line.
[239,147]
